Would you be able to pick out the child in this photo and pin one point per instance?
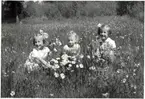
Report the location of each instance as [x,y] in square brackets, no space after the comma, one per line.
[72,48]
[105,53]
[107,45]
[39,52]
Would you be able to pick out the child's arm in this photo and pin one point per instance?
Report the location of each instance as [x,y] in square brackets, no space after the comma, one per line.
[45,64]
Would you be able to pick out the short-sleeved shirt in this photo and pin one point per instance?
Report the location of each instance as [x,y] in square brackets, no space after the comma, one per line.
[72,51]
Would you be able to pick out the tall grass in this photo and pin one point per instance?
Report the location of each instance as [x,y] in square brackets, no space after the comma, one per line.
[127,81]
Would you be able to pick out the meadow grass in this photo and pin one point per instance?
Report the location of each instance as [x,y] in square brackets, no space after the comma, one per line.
[127,82]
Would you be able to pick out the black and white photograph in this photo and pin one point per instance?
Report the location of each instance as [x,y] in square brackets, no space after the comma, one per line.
[72,49]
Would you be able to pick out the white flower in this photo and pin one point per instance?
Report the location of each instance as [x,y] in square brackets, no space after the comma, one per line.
[70,65]
[118,71]
[64,62]
[106,95]
[81,56]
[55,50]
[57,58]
[72,70]
[56,74]
[13,72]
[56,66]
[124,80]
[99,25]
[126,76]
[134,92]
[51,95]
[73,62]
[64,56]
[81,66]
[135,86]
[137,65]
[88,56]
[134,74]
[58,42]
[92,68]
[12,93]
[77,66]
[62,75]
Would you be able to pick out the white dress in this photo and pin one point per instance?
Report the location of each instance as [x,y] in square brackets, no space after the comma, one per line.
[107,48]
[33,64]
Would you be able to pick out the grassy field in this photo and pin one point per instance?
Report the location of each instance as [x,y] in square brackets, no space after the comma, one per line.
[128,67]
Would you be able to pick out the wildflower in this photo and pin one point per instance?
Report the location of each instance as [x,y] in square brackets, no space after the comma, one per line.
[23,52]
[56,66]
[137,65]
[64,62]
[105,95]
[73,62]
[58,42]
[51,95]
[122,37]
[77,66]
[57,58]
[62,75]
[55,50]
[124,80]
[14,51]
[54,43]
[132,85]
[99,25]
[88,56]
[56,74]
[126,76]
[134,74]
[72,70]
[13,72]
[118,71]
[70,65]
[134,92]
[134,70]
[64,56]
[92,68]
[81,56]
[81,66]
[12,93]
[135,86]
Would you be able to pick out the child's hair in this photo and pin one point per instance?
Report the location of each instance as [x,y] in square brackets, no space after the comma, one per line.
[35,37]
[42,34]
[101,27]
[73,34]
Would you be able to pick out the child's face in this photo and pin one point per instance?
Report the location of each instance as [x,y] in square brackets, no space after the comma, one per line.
[104,34]
[39,42]
[71,41]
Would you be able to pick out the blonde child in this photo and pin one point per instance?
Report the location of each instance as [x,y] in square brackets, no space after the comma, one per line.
[39,52]
[72,48]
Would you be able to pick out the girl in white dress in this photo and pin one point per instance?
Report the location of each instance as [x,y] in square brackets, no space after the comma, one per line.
[39,52]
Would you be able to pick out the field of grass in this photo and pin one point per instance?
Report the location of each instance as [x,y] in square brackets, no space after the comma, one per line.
[128,67]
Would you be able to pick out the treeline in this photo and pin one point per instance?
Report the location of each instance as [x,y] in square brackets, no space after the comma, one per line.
[78,9]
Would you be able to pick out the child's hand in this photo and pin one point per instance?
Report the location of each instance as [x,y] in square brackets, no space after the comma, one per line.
[37,59]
